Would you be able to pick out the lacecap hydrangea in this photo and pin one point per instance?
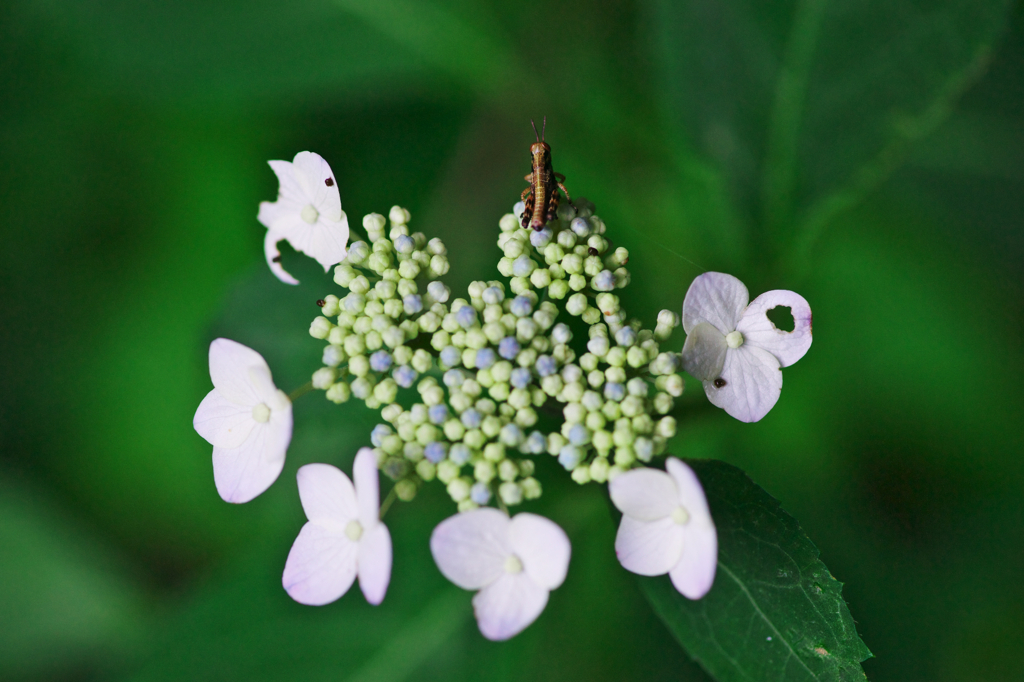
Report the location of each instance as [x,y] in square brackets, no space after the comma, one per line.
[462,384]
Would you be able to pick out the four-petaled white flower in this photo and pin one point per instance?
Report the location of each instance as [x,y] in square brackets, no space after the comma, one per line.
[343,538]
[307,213]
[734,349]
[666,527]
[246,419]
[514,563]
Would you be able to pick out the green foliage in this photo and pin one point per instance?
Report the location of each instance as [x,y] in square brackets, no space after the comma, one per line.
[775,612]
[807,105]
[724,134]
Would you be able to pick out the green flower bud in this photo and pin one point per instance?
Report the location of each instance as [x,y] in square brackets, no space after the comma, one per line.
[663,403]
[373,340]
[337,336]
[572,264]
[632,406]
[576,305]
[454,430]
[556,442]
[339,392]
[324,378]
[525,417]
[458,489]
[392,444]
[494,452]
[475,439]
[344,274]
[558,289]
[642,423]
[421,361]
[391,412]
[412,450]
[588,362]
[510,493]
[551,384]
[508,223]
[320,328]
[386,391]
[359,365]
[624,457]
[426,470]
[483,471]
[591,315]
[433,395]
[666,427]
[438,266]
[419,413]
[574,413]
[636,357]
[426,433]
[581,474]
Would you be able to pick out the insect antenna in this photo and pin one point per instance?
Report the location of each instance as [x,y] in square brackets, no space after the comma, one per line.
[543,128]
[535,127]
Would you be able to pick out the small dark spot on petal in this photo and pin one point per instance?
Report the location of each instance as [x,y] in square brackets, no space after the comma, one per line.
[277,258]
[320,302]
[329,182]
[719,382]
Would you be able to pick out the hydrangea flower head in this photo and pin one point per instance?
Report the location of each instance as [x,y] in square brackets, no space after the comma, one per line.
[666,527]
[734,349]
[246,419]
[513,562]
[307,214]
[343,538]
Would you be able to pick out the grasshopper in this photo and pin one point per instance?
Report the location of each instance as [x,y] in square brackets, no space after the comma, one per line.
[541,197]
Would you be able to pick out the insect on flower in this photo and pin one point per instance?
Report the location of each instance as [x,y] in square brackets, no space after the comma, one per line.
[541,197]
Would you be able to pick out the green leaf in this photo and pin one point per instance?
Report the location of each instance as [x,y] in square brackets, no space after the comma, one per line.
[775,612]
[235,49]
[808,105]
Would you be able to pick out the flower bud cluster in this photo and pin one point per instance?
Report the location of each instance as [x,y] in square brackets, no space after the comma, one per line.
[460,383]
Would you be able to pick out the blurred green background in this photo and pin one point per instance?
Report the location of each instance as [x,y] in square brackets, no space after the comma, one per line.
[869,155]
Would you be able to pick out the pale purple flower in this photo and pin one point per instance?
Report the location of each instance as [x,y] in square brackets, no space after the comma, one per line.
[307,214]
[514,563]
[734,349]
[343,538]
[666,527]
[246,419]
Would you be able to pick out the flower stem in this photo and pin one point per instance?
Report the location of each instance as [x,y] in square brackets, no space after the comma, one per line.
[386,504]
[300,391]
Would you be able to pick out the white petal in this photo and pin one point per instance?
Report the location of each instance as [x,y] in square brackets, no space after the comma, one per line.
[375,563]
[704,352]
[325,240]
[753,382]
[327,495]
[504,608]
[649,547]
[222,422]
[691,493]
[282,215]
[273,255]
[543,548]
[695,572]
[470,548]
[364,472]
[244,472]
[716,298]
[321,565]
[313,172]
[645,494]
[759,331]
[230,363]
[290,187]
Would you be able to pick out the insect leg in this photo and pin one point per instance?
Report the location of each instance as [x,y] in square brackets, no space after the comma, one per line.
[562,187]
[525,193]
